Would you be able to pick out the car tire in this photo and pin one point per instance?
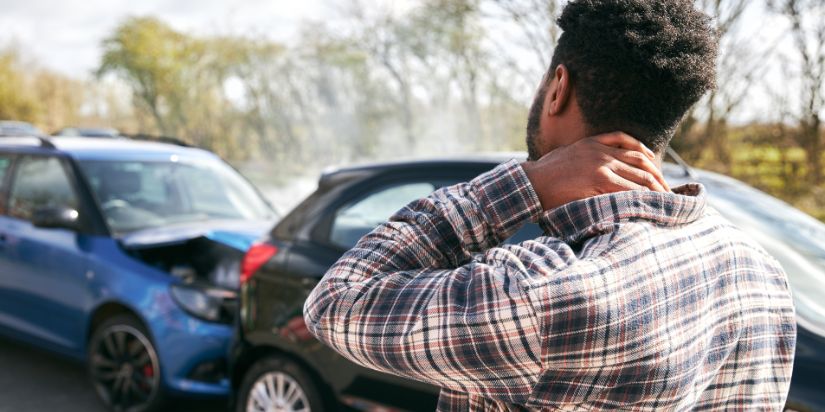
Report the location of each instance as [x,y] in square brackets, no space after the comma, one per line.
[123,366]
[260,386]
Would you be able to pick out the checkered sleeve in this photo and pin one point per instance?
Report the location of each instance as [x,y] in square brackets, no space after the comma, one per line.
[428,296]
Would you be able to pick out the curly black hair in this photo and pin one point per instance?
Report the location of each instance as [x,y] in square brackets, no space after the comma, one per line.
[637,66]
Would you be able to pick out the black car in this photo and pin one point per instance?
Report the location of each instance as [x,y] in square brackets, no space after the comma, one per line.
[278,363]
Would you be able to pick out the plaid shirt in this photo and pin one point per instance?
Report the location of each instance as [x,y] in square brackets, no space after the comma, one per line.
[635,300]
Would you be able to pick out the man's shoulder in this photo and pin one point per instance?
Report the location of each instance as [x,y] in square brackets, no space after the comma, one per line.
[738,238]
[710,236]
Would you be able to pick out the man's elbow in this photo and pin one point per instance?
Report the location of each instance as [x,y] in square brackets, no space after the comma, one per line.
[313,313]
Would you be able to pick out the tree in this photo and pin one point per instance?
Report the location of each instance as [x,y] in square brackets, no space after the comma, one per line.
[17,102]
[37,95]
[739,68]
[177,79]
[60,99]
[807,30]
[522,54]
[152,58]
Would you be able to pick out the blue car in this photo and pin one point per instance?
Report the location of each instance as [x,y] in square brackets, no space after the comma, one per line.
[125,254]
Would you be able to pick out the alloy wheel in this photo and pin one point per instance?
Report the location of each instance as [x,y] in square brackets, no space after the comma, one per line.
[277,392]
[124,368]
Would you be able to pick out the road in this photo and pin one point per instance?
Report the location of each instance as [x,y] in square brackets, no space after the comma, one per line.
[32,380]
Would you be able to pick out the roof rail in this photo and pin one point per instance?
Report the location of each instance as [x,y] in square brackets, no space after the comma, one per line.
[154,138]
[42,141]
[46,142]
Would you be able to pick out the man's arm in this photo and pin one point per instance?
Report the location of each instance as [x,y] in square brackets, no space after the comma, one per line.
[407,299]
[415,298]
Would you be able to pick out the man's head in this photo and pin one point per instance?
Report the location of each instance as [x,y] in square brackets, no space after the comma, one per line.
[634,66]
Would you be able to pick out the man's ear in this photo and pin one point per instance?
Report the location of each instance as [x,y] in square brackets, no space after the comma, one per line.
[558,94]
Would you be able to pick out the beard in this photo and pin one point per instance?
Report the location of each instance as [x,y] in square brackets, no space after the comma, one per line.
[534,126]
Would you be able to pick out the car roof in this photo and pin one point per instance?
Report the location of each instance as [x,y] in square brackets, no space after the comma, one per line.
[336,175]
[90,148]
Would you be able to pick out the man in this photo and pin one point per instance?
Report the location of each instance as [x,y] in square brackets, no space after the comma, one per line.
[634,299]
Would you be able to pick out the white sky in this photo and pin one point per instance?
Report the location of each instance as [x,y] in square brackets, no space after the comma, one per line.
[66,35]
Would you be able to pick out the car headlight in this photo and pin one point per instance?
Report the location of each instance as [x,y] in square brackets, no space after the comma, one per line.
[207,303]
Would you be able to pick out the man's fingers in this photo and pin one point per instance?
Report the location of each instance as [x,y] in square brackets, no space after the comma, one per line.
[637,176]
[634,158]
[624,141]
[620,184]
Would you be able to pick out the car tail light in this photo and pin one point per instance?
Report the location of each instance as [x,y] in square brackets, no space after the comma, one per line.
[255,257]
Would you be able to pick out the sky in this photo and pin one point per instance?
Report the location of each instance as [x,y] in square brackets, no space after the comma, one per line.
[66,36]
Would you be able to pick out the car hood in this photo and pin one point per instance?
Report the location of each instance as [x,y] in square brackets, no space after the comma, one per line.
[237,234]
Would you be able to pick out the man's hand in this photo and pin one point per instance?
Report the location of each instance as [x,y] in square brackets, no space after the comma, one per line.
[594,166]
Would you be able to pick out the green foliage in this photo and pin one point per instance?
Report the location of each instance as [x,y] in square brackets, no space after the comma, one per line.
[764,156]
[16,100]
[179,81]
[154,60]
[29,93]
[333,96]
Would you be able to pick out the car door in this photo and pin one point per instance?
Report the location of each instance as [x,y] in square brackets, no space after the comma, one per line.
[43,270]
[350,218]
[6,321]
[354,215]
[331,221]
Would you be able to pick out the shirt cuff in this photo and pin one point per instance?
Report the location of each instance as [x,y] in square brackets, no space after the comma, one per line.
[507,198]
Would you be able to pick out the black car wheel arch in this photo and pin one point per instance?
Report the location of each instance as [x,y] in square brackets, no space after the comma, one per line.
[279,379]
[123,366]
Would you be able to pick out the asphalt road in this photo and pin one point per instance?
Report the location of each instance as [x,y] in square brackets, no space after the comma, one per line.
[32,380]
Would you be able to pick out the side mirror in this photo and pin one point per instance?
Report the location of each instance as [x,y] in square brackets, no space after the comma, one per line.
[56,218]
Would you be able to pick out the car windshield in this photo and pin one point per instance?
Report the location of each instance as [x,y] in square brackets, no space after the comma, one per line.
[137,195]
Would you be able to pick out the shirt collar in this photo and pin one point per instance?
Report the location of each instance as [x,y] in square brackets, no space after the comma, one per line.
[586,218]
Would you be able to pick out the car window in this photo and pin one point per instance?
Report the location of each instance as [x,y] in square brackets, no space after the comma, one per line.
[359,218]
[203,194]
[5,161]
[40,182]
[355,220]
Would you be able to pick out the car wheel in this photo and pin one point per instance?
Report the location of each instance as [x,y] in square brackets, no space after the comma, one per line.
[123,366]
[277,384]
